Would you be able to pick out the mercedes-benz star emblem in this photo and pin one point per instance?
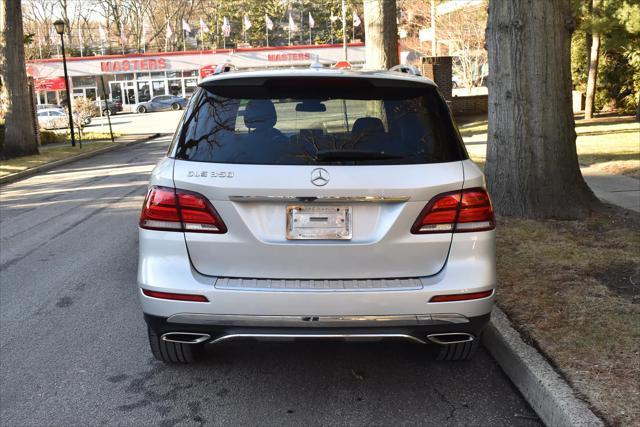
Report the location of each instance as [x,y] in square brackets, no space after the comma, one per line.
[319,177]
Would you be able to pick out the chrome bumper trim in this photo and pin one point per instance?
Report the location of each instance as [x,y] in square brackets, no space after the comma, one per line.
[316,321]
[318,285]
[197,338]
[450,338]
[288,337]
[325,199]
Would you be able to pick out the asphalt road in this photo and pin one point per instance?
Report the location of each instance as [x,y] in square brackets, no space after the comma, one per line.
[73,347]
[158,121]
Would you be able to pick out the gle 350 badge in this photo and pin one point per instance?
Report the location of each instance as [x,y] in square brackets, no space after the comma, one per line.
[210,174]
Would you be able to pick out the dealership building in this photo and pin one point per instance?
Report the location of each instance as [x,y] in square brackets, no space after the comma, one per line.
[137,78]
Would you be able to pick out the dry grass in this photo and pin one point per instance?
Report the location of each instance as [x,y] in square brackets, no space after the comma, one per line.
[573,288]
[620,167]
[48,155]
[615,145]
[474,129]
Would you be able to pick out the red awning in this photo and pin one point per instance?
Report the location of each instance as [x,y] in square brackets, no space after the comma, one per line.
[55,83]
[207,70]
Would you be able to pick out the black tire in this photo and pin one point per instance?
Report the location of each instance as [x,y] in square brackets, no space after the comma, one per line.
[175,106]
[107,112]
[171,352]
[141,109]
[87,121]
[457,352]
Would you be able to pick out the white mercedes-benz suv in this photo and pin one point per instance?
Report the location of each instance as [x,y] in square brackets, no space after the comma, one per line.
[316,204]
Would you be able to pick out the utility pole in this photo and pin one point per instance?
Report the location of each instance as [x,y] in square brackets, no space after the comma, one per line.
[59,26]
[434,41]
[344,31]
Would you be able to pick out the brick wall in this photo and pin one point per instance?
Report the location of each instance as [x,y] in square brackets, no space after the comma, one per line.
[438,69]
[476,104]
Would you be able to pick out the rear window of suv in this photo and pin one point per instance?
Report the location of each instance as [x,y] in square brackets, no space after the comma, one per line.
[321,121]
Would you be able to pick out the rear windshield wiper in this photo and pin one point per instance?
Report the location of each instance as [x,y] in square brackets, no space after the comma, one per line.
[329,155]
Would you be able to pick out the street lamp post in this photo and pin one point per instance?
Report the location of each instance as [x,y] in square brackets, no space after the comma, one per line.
[59,25]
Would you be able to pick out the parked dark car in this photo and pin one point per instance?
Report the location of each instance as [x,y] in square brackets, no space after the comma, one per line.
[161,103]
[108,107]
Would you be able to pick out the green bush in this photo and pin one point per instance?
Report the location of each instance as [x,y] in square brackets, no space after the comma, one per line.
[49,137]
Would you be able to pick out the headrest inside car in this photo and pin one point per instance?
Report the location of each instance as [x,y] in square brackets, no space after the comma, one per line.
[367,126]
[260,114]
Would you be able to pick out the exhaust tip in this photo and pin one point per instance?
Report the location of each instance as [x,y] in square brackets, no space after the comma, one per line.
[185,337]
[450,338]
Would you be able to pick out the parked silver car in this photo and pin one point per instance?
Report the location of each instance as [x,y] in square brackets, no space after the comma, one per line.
[56,118]
[316,204]
[161,103]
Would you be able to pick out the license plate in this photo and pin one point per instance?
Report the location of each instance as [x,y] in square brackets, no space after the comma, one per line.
[318,222]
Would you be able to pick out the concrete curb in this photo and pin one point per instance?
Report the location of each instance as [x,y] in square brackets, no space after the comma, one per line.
[546,391]
[48,166]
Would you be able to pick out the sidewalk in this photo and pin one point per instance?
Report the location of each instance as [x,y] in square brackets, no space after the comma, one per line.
[118,140]
[32,165]
[619,190]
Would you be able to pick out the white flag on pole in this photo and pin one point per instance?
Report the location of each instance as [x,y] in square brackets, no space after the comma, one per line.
[356,19]
[145,31]
[226,27]
[247,23]
[123,35]
[103,34]
[169,32]
[312,22]
[268,22]
[292,24]
[203,26]
[185,26]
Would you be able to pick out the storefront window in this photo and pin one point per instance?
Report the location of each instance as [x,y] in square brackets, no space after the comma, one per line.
[175,87]
[90,93]
[173,74]
[51,98]
[130,96]
[78,93]
[144,94]
[159,87]
[190,86]
[83,81]
[142,76]
[116,92]
[157,75]
[191,73]
[122,77]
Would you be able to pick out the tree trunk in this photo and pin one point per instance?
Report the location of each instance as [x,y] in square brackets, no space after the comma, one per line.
[592,78]
[532,166]
[381,34]
[588,38]
[19,137]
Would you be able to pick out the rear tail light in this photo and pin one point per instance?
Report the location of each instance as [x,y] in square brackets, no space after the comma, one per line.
[177,297]
[171,209]
[461,297]
[457,211]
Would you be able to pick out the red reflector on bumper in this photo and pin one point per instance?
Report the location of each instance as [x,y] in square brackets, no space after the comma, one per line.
[461,297]
[179,297]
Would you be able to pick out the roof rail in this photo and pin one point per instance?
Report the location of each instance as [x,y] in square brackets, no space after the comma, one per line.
[225,67]
[407,69]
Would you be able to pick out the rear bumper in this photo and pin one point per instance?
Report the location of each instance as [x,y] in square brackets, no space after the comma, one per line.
[255,328]
[164,266]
